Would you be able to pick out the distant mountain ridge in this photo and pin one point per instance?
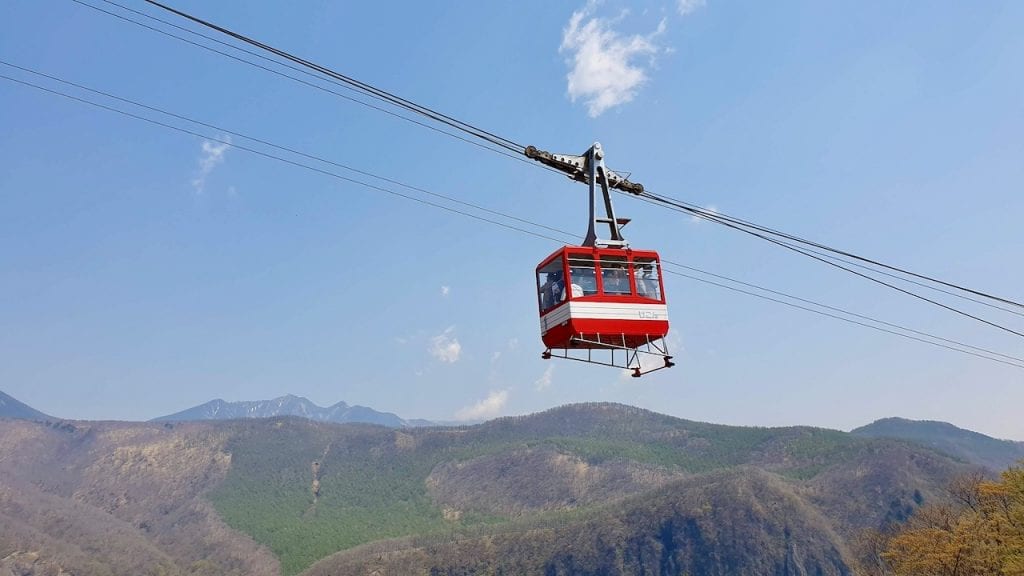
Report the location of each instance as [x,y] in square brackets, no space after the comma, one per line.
[290,405]
[967,445]
[11,408]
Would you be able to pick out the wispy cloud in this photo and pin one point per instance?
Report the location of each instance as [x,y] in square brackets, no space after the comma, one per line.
[545,379]
[445,290]
[603,67]
[688,6]
[489,407]
[445,346]
[212,156]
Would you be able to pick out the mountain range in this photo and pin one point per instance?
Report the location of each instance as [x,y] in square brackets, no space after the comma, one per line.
[289,405]
[582,489]
[947,438]
[967,445]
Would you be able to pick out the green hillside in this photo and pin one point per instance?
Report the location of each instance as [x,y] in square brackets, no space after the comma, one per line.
[377,483]
[692,526]
[582,489]
[969,446]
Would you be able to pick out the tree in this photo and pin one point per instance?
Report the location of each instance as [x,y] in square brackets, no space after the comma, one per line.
[979,533]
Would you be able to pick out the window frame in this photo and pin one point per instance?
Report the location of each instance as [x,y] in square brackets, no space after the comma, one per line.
[653,259]
[626,261]
[561,258]
[590,257]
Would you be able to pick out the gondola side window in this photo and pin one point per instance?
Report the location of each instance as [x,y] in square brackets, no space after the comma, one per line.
[551,284]
[583,280]
[615,276]
[647,274]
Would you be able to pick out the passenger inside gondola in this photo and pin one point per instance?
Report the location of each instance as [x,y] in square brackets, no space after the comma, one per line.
[646,275]
[556,288]
[552,290]
[584,280]
[615,276]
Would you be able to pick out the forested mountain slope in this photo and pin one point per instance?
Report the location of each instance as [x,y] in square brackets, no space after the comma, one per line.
[116,498]
[969,446]
[464,482]
[582,489]
[737,522]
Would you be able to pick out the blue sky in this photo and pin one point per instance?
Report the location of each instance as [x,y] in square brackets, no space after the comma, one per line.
[143,271]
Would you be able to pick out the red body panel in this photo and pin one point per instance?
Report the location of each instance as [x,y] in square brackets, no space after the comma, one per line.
[621,333]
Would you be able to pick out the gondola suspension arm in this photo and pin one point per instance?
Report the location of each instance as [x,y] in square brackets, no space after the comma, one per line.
[589,169]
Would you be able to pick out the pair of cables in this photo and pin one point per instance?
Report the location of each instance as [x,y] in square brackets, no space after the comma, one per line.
[297,158]
[245,47]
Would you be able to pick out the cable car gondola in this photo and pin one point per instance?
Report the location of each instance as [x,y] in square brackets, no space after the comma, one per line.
[602,302]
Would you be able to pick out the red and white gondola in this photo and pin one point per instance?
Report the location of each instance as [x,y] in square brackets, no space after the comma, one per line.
[602,296]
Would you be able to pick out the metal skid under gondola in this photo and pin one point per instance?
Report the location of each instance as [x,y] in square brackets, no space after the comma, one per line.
[631,355]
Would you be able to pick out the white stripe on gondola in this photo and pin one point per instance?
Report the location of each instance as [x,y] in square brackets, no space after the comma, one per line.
[603,311]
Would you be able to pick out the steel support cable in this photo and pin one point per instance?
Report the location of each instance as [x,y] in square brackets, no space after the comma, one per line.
[840,310]
[279,158]
[282,148]
[868,268]
[504,225]
[911,281]
[694,209]
[880,329]
[515,156]
[380,93]
[708,216]
[519,147]
[515,147]
[805,252]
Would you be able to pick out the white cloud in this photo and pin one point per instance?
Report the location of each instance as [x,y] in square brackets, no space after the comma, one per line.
[445,290]
[603,71]
[445,346]
[212,156]
[487,408]
[688,6]
[495,356]
[545,379]
[513,343]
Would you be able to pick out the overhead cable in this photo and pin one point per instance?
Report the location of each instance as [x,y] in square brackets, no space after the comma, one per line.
[367,88]
[504,152]
[511,148]
[697,210]
[709,216]
[1014,361]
